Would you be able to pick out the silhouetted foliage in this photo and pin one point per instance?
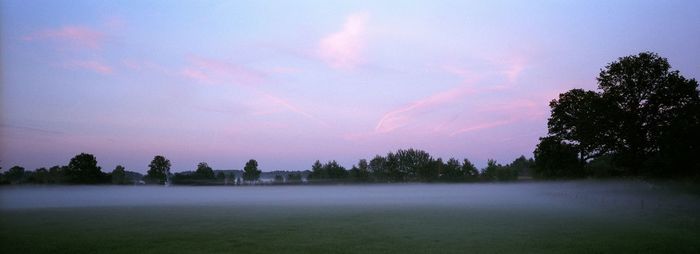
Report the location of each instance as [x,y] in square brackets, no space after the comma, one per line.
[556,159]
[294,178]
[159,169]
[15,174]
[204,171]
[279,179]
[119,175]
[644,120]
[250,171]
[83,169]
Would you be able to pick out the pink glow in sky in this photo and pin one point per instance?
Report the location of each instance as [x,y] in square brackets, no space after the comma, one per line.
[291,82]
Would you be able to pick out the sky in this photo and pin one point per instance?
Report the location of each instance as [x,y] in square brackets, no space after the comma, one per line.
[291,82]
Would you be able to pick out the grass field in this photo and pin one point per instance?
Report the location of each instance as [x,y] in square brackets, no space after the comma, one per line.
[555,226]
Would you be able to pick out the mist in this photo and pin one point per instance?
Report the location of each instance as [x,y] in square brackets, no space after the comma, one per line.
[628,197]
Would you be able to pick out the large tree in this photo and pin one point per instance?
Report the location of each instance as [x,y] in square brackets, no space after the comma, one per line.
[250,171]
[83,169]
[204,171]
[159,169]
[650,99]
[119,175]
[581,118]
[645,117]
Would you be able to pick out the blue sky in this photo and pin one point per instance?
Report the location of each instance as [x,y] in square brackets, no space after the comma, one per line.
[290,82]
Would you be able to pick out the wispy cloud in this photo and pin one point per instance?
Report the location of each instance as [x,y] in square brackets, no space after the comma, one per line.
[76,36]
[91,65]
[344,49]
[209,70]
[404,115]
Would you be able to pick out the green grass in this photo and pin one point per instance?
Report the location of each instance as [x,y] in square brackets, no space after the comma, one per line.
[339,229]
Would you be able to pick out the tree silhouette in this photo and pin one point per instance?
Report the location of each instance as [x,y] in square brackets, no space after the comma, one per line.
[204,171]
[159,169]
[83,169]
[119,175]
[250,171]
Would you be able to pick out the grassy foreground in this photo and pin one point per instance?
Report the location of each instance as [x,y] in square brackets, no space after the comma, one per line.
[337,229]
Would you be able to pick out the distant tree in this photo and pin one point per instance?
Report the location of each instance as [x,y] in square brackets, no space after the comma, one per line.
[83,169]
[41,176]
[220,175]
[489,173]
[317,171]
[453,171]
[57,174]
[431,171]
[363,173]
[119,175]
[471,173]
[294,178]
[204,171]
[15,175]
[279,179]
[522,165]
[378,168]
[251,172]
[335,170]
[159,169]
[556,159]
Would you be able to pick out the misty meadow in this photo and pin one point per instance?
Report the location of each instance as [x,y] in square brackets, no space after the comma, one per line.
[349,127]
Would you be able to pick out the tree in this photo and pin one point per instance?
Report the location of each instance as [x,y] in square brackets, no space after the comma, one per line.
[489,173]
[522,165]
[41,175]
[556,159]
[279,179]
[204,171]
[251,172]
[15,175]
[83,169]
[470,171]
[119,175]
[362,173]
[159,169]
[317,171]
[581,118]
[452,171]
[378,169]
[294,178]
[651,100]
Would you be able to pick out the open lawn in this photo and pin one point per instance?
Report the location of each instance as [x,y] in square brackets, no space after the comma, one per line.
[566,223]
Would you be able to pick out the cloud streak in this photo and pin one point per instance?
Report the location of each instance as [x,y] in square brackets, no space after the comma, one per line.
[207,70]
[343,49]
[92,65]
[76,36]
[402,116]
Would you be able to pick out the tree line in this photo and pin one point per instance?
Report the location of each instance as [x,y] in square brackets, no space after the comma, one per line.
[408,165]
[643,121]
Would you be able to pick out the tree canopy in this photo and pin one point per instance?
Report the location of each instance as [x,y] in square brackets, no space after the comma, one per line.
[250,171]
[159,169]
[645,117]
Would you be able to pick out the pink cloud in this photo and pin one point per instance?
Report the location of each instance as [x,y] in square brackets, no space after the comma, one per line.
[343,49]
[77,36]
[208,70]
[481,126]
[404,115]
[91,65]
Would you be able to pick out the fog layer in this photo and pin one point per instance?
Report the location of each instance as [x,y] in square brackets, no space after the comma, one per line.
[629,196]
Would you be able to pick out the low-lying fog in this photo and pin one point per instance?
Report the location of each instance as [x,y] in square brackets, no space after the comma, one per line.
[628,196]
